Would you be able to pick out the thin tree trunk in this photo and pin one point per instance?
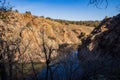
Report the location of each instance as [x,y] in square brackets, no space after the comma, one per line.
[3,75]
[23,71]
[51,74]
[10,70]
[35,76]
[47,70]
[32,63]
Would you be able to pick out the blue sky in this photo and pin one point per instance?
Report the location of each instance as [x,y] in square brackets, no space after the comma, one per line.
[66,9]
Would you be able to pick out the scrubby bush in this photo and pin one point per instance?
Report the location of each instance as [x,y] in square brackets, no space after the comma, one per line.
[42,16]
[86,23]
[48,18]
[28,12]
[16,11]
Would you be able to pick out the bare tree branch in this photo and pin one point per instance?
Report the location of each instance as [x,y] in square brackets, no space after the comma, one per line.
[99,3]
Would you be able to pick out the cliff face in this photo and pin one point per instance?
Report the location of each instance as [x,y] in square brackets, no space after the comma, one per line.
[100,51]
[104,40]
[31,30]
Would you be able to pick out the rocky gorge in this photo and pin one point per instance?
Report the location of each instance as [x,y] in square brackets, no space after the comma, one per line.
[30,31]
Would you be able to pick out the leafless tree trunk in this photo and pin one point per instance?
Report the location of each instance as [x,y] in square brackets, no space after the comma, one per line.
[69,64]
[48,59]
[34,71]
[3,75]
[8,50]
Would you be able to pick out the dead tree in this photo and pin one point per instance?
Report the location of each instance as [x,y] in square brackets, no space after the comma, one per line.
[8,50]
[3,73]
[68,64]
[98,3]
[5,6]
[48,52]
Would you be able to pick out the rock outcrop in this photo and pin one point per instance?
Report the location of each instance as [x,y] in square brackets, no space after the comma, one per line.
[104,40]
[31,30]
[100,51]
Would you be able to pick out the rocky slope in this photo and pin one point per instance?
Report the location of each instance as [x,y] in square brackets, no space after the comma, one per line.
[104,40]
[100,51]
[31,30]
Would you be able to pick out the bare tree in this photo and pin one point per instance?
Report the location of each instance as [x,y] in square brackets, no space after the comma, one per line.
[3,72]
[5,6]
[8,50]
[48,52]
[34,71]
[98,3]
[69,64]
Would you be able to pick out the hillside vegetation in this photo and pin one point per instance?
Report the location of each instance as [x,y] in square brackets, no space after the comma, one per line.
[89,23]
